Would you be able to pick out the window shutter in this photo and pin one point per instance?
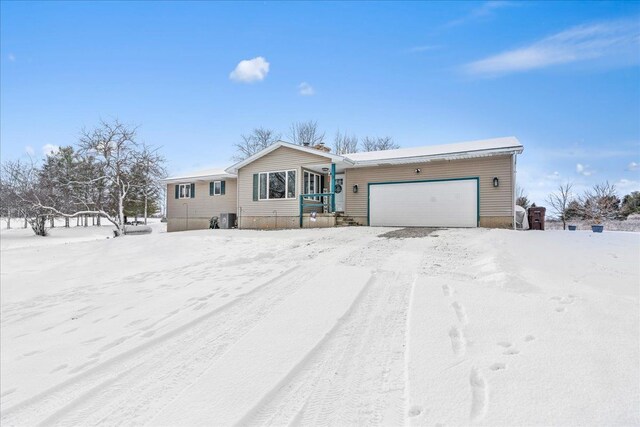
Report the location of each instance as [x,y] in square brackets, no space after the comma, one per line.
[222,187]
[255,187]
[211,188]
[177,191]
[193,191]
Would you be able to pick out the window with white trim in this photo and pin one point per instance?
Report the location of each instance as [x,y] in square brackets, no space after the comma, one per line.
[217,188]
[312,183]
[277,185]
[184,191]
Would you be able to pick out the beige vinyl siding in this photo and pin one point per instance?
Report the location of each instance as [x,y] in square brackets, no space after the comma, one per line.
[493,201]
[280,159]
[202,205]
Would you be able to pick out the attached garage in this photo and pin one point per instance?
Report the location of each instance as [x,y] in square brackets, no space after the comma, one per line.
[433,203]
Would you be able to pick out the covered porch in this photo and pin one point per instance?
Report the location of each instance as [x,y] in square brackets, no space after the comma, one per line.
[322,194]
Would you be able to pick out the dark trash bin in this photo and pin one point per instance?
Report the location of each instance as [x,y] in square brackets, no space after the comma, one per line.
[536,218]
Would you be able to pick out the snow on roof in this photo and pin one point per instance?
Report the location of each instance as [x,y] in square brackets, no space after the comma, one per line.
[459,148]
[202,174]
[331,156]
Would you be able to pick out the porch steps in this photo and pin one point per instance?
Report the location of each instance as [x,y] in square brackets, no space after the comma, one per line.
[344,221]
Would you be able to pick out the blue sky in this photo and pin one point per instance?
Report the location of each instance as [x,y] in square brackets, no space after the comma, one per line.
[562,77]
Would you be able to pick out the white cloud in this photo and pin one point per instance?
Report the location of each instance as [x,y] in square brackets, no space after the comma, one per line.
[486,10]
[626,186]
[584,170]
[553,176]
[608,39]
[11,57]
[250,70]
[633,166]
[305,89]
[48,149]
[29,150]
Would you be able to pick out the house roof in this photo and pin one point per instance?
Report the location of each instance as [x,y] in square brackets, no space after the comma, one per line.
[332,157]
[203,175]
[459,150]
[479,148]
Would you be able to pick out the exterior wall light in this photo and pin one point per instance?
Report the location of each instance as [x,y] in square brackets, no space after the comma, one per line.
[418,170]
[496,182]
[355,188]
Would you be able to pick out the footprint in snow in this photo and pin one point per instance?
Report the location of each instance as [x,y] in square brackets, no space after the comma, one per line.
[458,343]
[504,344]
[498,366]
[511,352]
[415,411]
[460,311]
[560,309]
[479,395]
[446,290]
[529,338]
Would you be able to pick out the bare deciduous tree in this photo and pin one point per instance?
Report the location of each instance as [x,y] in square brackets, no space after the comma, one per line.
[561,201]
[23,192]
[379,143]
[344,144]
[259,139]
[306,133]
[147,172]
[105,174]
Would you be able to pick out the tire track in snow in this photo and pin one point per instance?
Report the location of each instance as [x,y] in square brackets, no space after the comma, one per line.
[130,387]
[356,374]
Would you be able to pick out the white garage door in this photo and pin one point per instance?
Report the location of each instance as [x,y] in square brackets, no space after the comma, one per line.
[424,204]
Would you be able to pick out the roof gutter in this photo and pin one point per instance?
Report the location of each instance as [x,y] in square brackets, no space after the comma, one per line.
[182,179]
[448,156]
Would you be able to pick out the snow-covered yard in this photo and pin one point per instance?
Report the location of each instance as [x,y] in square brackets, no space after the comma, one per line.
[325,326]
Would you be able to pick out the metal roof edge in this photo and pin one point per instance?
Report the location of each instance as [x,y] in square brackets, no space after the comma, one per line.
[445,156]
[171,180]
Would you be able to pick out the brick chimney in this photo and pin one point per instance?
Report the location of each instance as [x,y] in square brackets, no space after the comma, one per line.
[321,147]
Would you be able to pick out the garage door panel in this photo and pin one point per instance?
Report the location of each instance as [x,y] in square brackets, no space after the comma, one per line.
[424,204]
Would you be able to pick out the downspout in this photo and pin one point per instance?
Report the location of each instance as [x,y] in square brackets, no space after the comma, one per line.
[238,208]
[513,189]
[333,187]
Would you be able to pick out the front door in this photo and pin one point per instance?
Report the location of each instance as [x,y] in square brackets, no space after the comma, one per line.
[339,189]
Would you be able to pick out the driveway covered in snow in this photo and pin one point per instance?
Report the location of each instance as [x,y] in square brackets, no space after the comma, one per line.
[327,326]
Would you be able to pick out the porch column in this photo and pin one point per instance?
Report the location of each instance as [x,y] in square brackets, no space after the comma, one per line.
[333,187]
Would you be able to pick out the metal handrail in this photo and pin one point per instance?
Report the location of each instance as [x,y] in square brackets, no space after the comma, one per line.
[330,203]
